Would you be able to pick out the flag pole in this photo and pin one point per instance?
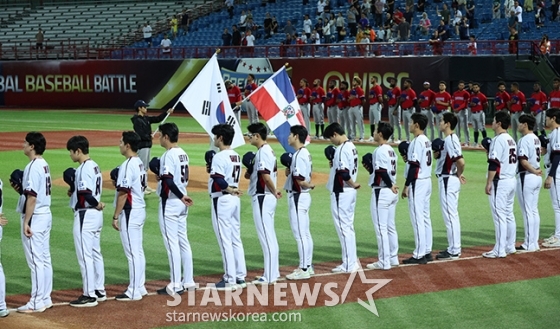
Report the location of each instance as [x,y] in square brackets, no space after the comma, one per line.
[286,65]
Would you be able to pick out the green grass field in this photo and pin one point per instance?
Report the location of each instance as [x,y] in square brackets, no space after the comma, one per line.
[474,210]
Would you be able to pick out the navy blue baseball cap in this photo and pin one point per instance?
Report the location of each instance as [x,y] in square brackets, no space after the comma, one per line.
[437,145]
[140,103]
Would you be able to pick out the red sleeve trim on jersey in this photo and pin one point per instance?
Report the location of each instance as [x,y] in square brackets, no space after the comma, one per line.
[30,192]
[123,189]
[456,158]
[266,171]
[216,176]
[299,177]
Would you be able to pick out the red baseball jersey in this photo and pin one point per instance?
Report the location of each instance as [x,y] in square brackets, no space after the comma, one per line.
[478,100]
[356,96]
[427,98]
[537,101]
[501,99]
[331,98]
[408,96]
[517,101]
[317,95]
[460,100]
[554,99]
[443,97]
[234,95]
[374,93]
[303,95]
[393,95]
[343,99]
[249,88]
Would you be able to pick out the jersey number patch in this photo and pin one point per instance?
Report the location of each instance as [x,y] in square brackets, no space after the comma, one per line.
[512,156]
[236,174]
[184,173]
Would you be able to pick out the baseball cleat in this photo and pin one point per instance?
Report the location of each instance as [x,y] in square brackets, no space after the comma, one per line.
[429,257]
[522,249]
[189,287]
[511,252]
[311,269]
[223,286]
[299,274]
[262,281]
[125,298]
[26,309]
[4,313]
[552,237]
[491,254]
[552,242]
[376,266]
[370,140]
[100,296]
[413,260]
[241,283]
[446,255]
[164,291]
[49,306]
[84,301]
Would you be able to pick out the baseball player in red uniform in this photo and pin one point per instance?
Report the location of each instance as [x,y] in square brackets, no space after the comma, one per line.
[442,102]
[130,214]
[460,102]
[529,182]
[298,185]
[356,111]
[450,166]
[554,96]
[502,98]
[249,107]
[500,186]
[223,186]
[408,103]
[552,160]
[478,104]
[235,98]
[88,222]
[317,99]
[517,104]
[343,106]
[303,96]
[426,101]
[342,185]
[538,105]
[375,105]
[331,102]
[262,189]
[392,97]
[384,198]
[4,312]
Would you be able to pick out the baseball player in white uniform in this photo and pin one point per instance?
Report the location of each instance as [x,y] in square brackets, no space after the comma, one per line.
[88,222]
[529,181]
[342,185]
[130,214]
[552,181]
[384,198]
[500,186]
[262,189]
[4,312]
[173,210]
[298,185]
[36,222]
[450,166]
[223,186]
[418,189]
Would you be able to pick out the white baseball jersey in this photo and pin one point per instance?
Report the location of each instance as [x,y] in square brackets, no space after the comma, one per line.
[225,164]
[300,170]
[451,152]
[553,146]
[132,180]
[265,163]
[36,182]
[88,178]
[503,151]
[1,202]
[529,148]
[384,159]
[420,151]
[174,163]
[345,160]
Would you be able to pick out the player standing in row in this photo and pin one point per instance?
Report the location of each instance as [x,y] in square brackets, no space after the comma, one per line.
[408,103]
[130,214]
[34,203]
[442,102]
[478,104]
[517,104]
[88,223]
[356,111]
[529,182]
[317,99]
[342,185]
[375,106]
[418,189]
[343,105]
[141,124]
[262,189]
[384,198]
[392,96]
[450,166]
[223,186]
[251,110]
[538,104]
[554,96]
[331,102]
[460,103]
[426,101]
[303,96]
[298,185]
[4,312]
[173,209]
[502,98]
[235,98]
[552,181]
[500,186]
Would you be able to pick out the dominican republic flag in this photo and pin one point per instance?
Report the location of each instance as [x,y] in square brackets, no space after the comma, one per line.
[276,102]
[207,101]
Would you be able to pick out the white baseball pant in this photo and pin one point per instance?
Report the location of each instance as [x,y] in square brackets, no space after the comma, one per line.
[2,281]
[318,114]
[131,224]
[449,188]
[226,222]
[356,118]
[463,124]
[383,205]
[478,121]
[539,124]
[251,112]
[514,123]
[88,224]
[395,121]
[343,206]
[419,194]
[528,188]
[298,205]
[38,256]
[264,207]
[374,113]
[501,203]
[555,197]
[332,114]
[305,111]
[430,115]
[144,155]
[344,119]
[407,119]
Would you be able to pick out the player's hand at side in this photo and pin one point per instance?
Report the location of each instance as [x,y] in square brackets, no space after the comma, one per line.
[69,192]
[3,220]
[100,206]
[16,187]
[404,193]
[247,175]
[356,186]
[27,231]
[395,189]
[278,194]
[538,172]
[287,171]
[116,224]
[187,200]
[488,188]
[330,163]
[312,186]
[548,182]
[462,179]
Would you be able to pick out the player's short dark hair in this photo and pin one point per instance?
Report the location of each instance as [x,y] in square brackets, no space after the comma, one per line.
[515,84]
[556,79]
[344,83]
[393,78]
[451,118]
[461,81]
[409,81]
[258,128]
[443,82]
[78,142]
[375,78]
[554,113]
[170,130]
[529,120]
[300,131]
[476,84]
[252,76]
[503,118]
[333,128]
[225,131]
[501,83]
[385,129]
[537,83]
[37,140]
[131,138]
[305,81]
[420,119]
